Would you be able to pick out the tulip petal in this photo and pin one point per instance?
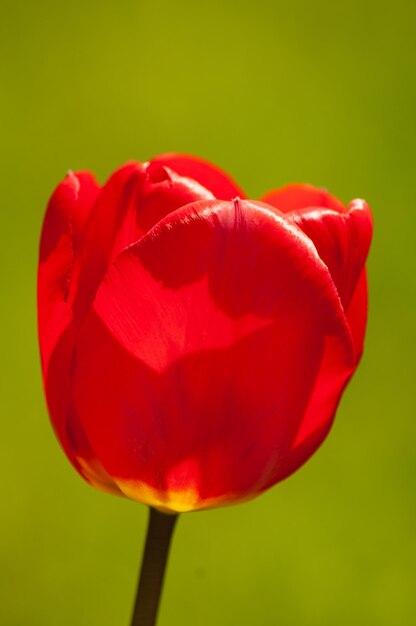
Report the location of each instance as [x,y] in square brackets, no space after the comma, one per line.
[300,196]
[107,219]
[63,228]
[164,191]
[342,237]
[208,175]
[357,314]
[135,198]
[194,370]
[64,417]
[342,240]
[328,388]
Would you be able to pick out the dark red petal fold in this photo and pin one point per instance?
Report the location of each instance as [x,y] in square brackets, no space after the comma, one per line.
[210,176]
[301,196]
[194,370]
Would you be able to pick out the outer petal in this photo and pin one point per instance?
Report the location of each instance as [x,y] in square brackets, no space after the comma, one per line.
[342,240]
[63,231]
[194,370]
[205,173]
[301,196]
[135,198]
[67,213]
[329,386]
[64,417]
[115,201]
[84,229]
[357,314]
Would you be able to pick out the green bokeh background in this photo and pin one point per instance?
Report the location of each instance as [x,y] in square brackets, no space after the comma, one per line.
[273,91]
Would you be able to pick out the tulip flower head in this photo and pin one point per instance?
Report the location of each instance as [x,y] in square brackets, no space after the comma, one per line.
[195,344]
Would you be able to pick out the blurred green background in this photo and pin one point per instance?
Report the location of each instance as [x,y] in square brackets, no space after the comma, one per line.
[273,91]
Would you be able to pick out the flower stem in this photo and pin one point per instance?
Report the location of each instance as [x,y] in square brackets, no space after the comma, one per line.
[155,556]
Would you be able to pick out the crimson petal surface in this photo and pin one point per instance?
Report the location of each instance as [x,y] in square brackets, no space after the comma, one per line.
[196,366]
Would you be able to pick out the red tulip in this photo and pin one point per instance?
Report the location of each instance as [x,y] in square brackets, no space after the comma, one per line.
[195,344]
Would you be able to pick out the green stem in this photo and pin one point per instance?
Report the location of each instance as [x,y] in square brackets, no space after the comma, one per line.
[155,556]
